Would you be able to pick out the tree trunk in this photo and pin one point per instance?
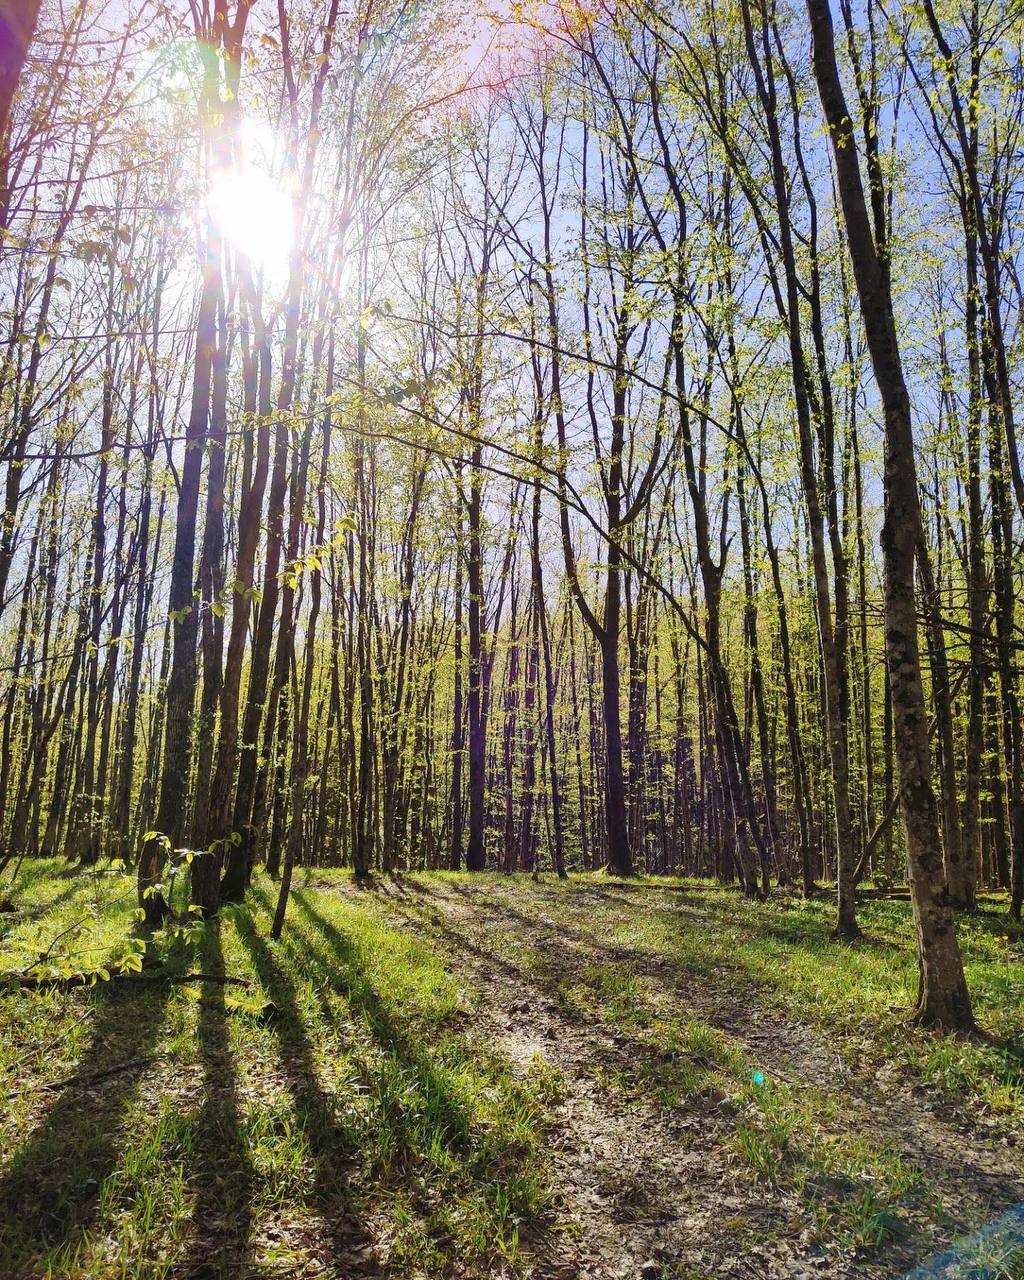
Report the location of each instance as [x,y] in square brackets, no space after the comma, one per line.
[943,999]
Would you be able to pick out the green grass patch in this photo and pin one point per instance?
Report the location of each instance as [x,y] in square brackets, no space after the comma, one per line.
[858,996]
[339,1107]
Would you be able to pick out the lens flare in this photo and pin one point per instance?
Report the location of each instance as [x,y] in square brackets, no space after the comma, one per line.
[255,216]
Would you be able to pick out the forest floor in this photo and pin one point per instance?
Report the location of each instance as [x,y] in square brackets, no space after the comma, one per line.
[464,1077]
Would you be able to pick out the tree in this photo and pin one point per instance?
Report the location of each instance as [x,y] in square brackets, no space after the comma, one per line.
[943,998]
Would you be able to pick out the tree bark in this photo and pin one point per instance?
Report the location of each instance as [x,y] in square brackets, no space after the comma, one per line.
[943,998]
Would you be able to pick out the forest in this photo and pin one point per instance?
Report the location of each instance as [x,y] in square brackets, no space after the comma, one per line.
[511,718]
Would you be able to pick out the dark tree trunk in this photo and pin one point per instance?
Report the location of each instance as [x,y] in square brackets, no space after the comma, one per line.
[943,998]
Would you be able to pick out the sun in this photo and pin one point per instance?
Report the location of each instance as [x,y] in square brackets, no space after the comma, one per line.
[255,215]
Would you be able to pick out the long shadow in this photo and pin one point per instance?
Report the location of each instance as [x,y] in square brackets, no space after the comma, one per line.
[50,1187]
[621,1048]
[344,969]
[996,1188]
[34,910]
[611,1051]
[224,1178]
[414,912]
[38,909]
[601,888]
[495,905]
[494,899]
[384,885]
[410,883]
[404,884]
[632,1050]
[10,921]
[392,886]
[813,938]
[769,923]
[29,871]
[450,1127]
[573,890]
[796,933]
[333,1143]
[991,1190]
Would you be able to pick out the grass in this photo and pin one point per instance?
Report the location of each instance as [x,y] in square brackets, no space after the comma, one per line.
[781,952]
[856,1188]
[342,1110]
[339,1108]
[778,959]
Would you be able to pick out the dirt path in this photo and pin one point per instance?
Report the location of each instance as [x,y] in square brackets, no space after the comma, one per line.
[646,1192]
[973,1172]
[641,1193]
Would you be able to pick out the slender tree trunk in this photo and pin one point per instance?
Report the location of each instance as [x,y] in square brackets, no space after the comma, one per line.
[458,713]
[18,20]
[943,998]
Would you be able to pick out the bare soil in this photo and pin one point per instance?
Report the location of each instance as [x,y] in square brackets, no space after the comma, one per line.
[648,1192]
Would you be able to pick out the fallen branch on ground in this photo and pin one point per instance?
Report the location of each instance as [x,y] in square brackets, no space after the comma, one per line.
[29,983]
[93,1077]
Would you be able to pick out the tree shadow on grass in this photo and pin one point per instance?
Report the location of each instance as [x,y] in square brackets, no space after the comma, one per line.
[421,917]
[810,936]
[602,885]
[423,1125]
[772,920]
[224,1179]
[15,891]
[36,910]
[493,899]
[386,883]
[10,921]
[548,984]
[49,1189]
[607,1047]
[579,940]
[629,1050]
[21,874]
[343,967]
[332,1140]
[401,884]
